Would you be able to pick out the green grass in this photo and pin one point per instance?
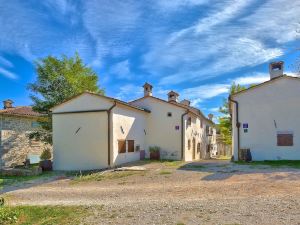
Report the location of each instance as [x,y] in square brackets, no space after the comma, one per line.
[26,215]
[14,180]
[273,163]
[224,157]
[195,166]
[167,163]
[165,172]
[99,176]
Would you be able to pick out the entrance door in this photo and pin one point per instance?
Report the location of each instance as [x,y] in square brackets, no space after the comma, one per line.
[194,148]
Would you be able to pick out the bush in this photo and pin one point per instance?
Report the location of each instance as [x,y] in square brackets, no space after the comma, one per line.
[153,149]
[46,154]
[8,216]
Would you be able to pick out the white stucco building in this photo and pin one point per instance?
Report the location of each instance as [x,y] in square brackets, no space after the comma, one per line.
[92,131]
[265,118]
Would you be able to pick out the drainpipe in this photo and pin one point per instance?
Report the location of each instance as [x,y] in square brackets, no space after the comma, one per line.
[182,133]
[237,123]
[108,130]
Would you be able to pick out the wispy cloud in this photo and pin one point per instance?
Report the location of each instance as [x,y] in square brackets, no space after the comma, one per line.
[121,70]
[255,79]
[6,62]
[8,74]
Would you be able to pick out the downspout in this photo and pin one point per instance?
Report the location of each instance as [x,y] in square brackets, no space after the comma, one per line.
[182,133]
[237,123]
[108,129]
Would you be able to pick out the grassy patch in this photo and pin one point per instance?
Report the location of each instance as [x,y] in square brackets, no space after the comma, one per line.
[99,176]
[224,157]
[193,166]
[43,215]
[14,180]
[165,172]
[167,163]
[273,163]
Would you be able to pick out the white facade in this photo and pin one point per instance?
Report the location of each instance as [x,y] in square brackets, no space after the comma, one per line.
[265,112]
[90,131]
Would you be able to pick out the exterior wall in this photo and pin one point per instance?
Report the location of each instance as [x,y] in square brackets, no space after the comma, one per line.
[128,124]
[268,109]
[15,145]
[198,134]
[80,141]
[88,148]
[160,129]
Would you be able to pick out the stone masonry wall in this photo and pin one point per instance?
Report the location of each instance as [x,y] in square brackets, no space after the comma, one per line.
[15,146]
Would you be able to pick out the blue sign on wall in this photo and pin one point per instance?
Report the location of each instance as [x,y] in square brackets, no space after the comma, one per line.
[245,125]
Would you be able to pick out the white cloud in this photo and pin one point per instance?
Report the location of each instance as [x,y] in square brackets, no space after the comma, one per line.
[6,62]
[254,79]
[8,74]
[121,70]
[175,5]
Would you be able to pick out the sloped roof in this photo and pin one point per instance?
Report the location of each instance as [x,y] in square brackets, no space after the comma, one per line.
[284,76]
[193,110]
[20,111]
[103,96]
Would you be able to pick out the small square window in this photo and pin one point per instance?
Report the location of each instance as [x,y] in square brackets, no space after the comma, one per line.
[285,139]
[169,114]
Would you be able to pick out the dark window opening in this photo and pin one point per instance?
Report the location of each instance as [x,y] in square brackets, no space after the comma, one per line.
[130,145]
[189,121]
[169,114]
[122,146]
[198,147]
[189,144]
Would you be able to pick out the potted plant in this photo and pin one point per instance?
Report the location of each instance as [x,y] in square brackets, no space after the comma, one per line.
[154,152]
[45,162]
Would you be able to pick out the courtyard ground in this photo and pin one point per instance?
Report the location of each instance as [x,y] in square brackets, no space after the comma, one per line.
[204,192]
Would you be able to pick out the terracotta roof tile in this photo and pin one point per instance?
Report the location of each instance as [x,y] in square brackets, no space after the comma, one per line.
[19,111]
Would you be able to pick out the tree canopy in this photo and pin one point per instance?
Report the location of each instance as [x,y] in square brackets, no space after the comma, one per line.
[57,80]
[225,125]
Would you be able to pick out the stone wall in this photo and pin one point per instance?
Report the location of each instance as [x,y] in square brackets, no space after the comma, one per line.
[15,145]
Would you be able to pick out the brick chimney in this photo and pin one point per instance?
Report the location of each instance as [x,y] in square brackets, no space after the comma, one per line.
[8,104]
[173,96]
[147,89]
[276,69]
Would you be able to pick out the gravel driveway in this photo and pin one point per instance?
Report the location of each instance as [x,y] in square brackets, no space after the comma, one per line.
[206,192]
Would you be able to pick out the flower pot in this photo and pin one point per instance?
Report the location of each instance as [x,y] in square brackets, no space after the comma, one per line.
[46,165]
[155,155]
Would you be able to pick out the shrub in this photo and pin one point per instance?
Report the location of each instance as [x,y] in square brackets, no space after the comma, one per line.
[46,154]
[8,216]
[153,149]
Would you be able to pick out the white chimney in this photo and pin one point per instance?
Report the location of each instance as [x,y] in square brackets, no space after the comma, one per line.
[276,69]
[147,89]
[8,104]
[210,116]
[185,102]
[173,96]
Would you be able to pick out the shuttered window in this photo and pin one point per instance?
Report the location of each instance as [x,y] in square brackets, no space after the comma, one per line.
[122,146]
[130,145]
[285,139]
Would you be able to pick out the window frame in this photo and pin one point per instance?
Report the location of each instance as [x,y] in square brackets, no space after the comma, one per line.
[121,151]
[129,146]
[285,139]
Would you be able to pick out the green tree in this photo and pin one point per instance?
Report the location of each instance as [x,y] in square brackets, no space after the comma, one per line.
[58,80]
[225,125]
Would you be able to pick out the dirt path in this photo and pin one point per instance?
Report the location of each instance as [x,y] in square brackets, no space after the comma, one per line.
[200,193]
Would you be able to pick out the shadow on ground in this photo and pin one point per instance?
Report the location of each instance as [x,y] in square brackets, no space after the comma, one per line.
[224,169]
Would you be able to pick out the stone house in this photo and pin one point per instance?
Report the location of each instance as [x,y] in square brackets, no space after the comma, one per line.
[92,131]
[265,118]
[15,125]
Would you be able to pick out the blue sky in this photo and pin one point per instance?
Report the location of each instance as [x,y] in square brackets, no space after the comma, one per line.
[195,47]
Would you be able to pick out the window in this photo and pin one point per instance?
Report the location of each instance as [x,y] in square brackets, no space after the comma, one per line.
[169,114]
[285,139]
[122,146]
[189,144]
[130,145]
[198,147]
[201,125]
[189,121]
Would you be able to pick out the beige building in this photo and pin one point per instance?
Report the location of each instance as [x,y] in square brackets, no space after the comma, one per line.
[265,118]
[15,125]
[92,131]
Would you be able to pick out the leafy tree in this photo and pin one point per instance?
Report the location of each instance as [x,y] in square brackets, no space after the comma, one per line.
[58,80]
[225,125]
